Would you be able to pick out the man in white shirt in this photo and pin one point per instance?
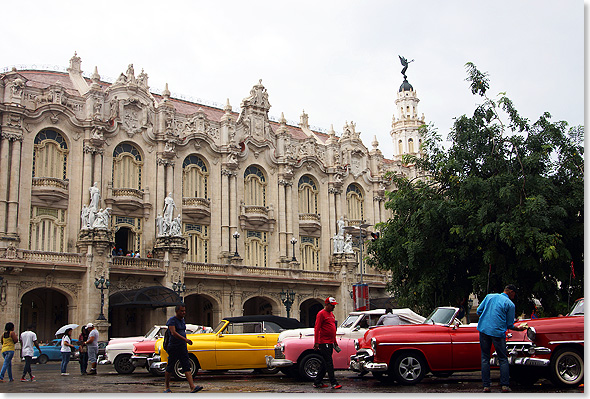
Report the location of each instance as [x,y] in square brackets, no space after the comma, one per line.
[28,339]
[92,344]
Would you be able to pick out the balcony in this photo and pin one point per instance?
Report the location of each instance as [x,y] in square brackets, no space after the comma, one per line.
[310,223]
[129,199]
[196,207]
[49,189]
[256,217]
[126,264]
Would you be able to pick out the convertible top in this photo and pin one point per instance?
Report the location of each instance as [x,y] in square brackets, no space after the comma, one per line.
[283,322]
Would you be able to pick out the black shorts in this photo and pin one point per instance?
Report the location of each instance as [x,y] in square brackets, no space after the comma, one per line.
[179,353]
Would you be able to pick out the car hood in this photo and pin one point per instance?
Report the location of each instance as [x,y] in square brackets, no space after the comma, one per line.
[115,341]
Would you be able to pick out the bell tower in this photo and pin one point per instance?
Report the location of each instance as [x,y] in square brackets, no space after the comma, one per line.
[405,129]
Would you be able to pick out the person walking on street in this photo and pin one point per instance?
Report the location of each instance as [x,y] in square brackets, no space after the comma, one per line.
[496,316]
[9,338]
[83,348]
[92,345]
[28,339]
[66,351]
[325,341]
[177,349]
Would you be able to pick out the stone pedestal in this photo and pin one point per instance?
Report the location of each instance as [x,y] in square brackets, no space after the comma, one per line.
[175,246]
[345,265]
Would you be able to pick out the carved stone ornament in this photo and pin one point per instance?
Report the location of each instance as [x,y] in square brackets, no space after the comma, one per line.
[14,120]
[12,136]
[134,117]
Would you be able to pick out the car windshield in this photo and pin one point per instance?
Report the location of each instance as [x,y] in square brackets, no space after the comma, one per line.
[578,309]
[150,331]
[219,327]
[440,316]
[350,320]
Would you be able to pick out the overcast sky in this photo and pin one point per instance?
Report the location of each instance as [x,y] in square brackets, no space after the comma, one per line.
[337,60]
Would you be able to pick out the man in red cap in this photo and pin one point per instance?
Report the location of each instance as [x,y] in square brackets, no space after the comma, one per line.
[325,342]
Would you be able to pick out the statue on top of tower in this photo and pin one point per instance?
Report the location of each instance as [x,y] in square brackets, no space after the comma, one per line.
[405,63]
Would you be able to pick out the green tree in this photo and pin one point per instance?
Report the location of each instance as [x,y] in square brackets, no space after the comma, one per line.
[504,203]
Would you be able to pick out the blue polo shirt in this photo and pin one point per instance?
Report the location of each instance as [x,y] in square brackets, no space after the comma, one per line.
[180,329]
[496,315]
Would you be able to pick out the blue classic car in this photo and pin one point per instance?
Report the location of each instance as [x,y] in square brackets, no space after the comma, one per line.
[52,351]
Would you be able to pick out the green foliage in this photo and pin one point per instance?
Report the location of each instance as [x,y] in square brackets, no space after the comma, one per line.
[505,199]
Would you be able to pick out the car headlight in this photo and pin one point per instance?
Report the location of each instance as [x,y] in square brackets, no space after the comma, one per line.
[374,344]
[531,333]
[357,345]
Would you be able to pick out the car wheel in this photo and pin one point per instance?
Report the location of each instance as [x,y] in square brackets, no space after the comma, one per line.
[123,364]
[523,375]
[409,368]
[310,366]
[42,359]
[179,375]
[382,377]
[567,367]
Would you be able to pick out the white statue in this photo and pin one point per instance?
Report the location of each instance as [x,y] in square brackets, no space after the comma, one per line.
[168,208]
[99,221]
[338,244]
[175,227]
[341,224]
[160,225]
[347,249]
[85,216]
[94,197]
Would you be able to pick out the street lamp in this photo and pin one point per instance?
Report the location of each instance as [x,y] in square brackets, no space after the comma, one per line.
[179,288]
[288,298]
[293,241]
[361,228]
[102,285]
[236,236]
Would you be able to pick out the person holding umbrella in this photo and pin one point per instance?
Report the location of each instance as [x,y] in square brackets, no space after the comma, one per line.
[66,351]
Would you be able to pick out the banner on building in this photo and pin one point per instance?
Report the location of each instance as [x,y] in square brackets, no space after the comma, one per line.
[360,296]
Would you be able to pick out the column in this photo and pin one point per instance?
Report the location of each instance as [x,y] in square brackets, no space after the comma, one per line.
[4,172]
[14,186]
[282,209]
[225,210]
[86,174]
[289,214]
[160,191]
[376,216]
[98,170]
[169,178]
[233,204]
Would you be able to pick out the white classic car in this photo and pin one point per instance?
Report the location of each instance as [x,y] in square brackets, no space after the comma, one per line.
[119,350]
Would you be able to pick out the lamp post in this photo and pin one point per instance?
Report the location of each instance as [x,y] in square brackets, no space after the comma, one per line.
[102,284]
[288,298]
[362,233]
[179,288]
[293,242]
[236,235]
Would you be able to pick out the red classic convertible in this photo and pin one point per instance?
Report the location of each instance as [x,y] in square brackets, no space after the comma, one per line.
[405,353]
[552,347]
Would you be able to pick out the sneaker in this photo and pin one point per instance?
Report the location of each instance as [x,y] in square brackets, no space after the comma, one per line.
[337,386]
[487,389]
[33,378]
[320,385]
[197,388]
[65,373]
[506,388]
[167,390]
[23,379]
[91,372]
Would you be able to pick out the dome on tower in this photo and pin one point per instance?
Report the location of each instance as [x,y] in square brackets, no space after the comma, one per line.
[406,86]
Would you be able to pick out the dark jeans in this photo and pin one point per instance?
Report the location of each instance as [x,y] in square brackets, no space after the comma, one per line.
[27,369]
[65,359]
[485,342]
[327,365]
[83,362]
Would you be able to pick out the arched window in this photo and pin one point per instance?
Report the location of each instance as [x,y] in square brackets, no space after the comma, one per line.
[47,229]
[254,186]
[256,248]
[400,147]
[354,202]
[198,242]
[127,167]
[308,195]
[195,177]
[410,146]
[310,253]
[50,155]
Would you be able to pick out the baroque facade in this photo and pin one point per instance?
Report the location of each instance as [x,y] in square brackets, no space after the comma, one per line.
[281,188]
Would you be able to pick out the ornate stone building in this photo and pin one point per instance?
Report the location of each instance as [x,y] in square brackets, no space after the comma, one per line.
[282,188]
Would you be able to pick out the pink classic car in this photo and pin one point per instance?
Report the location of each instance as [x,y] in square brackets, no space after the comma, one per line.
[294,354]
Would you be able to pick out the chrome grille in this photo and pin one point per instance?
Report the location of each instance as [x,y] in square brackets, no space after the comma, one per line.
[279,354]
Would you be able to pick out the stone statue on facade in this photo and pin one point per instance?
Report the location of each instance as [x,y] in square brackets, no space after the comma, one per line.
[103,219]
[405,63]
[85,224]
[175,226]
[339,237]
[169,206]
[94,197]
[347,248]
[160,225]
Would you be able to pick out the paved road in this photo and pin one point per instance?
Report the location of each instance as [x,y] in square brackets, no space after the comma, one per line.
[108,381]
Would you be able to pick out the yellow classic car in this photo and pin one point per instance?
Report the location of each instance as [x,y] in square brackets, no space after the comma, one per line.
[236,343]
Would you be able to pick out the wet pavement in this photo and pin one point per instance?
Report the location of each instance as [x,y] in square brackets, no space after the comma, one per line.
[107,380]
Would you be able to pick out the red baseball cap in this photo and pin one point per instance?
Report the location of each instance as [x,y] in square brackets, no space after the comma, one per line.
[331,300]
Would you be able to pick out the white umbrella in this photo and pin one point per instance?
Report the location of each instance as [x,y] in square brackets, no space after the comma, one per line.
[64,328]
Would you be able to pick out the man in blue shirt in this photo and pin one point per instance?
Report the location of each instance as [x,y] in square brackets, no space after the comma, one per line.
[496,316]
[177,350]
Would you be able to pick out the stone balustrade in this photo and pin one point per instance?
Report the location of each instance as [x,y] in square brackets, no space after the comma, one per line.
[50,182]
[128,262]
[196,201]
[53,257]
[128,192]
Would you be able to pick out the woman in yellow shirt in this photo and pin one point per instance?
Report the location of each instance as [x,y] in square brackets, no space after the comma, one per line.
[9,338]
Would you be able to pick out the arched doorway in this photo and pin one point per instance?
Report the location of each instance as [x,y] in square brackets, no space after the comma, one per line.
[201,310]
[257,306]
[309,310]
[46,310]
[124,239]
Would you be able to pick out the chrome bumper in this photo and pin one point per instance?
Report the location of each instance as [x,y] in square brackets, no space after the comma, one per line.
[156,364]
[103,360]
[271,362]
[522,357]
[139,361]
[363,366]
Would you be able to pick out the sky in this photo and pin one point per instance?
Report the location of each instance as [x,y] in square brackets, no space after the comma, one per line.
[337,60]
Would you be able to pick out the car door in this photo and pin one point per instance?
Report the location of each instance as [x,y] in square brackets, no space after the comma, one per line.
[466,349]
[242,345]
